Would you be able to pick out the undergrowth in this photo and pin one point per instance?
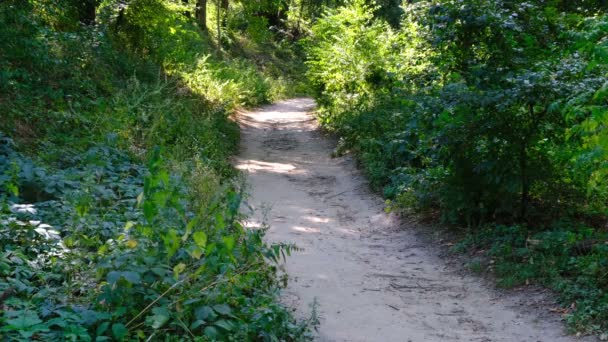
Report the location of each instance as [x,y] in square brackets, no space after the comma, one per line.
[570,259]
[489,115]
[119,209]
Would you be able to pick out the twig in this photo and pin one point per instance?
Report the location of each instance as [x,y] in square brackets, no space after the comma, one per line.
[338,194]
[210,285]
[150,337]
[155,301]
[186,328]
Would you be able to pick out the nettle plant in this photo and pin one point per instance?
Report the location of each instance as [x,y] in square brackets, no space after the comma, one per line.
[126,259]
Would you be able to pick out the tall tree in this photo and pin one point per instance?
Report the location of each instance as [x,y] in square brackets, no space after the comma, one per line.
[86,10]
[225,4]
[201,14]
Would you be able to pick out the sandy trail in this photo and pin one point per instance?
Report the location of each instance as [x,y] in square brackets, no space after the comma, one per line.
[374,279]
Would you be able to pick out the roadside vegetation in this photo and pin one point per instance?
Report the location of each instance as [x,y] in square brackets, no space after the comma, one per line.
[490,116]
[119,209]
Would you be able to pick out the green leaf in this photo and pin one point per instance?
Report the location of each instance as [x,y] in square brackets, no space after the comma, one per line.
[224,324]
[161,272]
[200,238]
[212,333]
[140,199]
[179,268]
[119,331]
[101,329]
[189,228]
[205,313]
[149,211]
[129,225]
[113,277]
[160,316]
[223,309]
[131,277]
[171,242]
[24,320]
[196,252]
[229,241]
[196,324]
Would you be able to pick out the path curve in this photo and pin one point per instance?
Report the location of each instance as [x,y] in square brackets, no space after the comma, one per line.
[373,281]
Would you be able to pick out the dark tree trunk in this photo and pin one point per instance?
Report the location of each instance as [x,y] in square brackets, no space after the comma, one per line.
[525,183]
[225,4]
[86,11]
[201,14]
[218,14]
[523,165]
[188,14]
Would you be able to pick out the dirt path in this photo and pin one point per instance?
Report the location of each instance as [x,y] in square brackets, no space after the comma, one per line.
[373,280]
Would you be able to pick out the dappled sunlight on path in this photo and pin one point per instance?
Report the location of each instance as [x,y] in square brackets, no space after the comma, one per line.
[373,278]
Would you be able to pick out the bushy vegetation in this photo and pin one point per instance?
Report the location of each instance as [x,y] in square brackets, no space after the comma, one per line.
[491,114]
[119,210]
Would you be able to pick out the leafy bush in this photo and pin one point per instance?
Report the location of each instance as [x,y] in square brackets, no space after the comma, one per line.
[119,210]
[127,256]
[490,113]
[469,90]
[569,258]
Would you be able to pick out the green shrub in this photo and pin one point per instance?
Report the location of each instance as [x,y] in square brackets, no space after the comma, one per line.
[489,113]
[103,236]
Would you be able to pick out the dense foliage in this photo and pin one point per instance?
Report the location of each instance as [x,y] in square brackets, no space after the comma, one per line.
[119,210]
[492,114]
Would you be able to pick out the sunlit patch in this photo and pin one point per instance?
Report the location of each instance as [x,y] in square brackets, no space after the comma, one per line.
[24,209]
[252,224]
[348,231]
[306,229]
[317,219]
[254,166]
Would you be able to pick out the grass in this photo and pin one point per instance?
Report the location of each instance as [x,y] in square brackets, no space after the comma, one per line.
[569,259]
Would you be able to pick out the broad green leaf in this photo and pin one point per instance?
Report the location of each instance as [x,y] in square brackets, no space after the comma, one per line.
[229,241]
[131,277]
[224,324]
[102,328]
[223,309]
[178,269]
[200,238]
[212,333]
[113,277]
[171,242]
[196,324]
[129,225]
[196,252]
[24,319]
[119,331]
[160,316]
[205,313]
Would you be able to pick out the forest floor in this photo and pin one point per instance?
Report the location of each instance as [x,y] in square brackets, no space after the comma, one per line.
[374,277]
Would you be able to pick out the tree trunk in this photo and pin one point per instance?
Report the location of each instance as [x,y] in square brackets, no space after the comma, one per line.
[225,4]
[219,26]
[201,14]
[188,14]
[523,166]
[87,11]
[525,183]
